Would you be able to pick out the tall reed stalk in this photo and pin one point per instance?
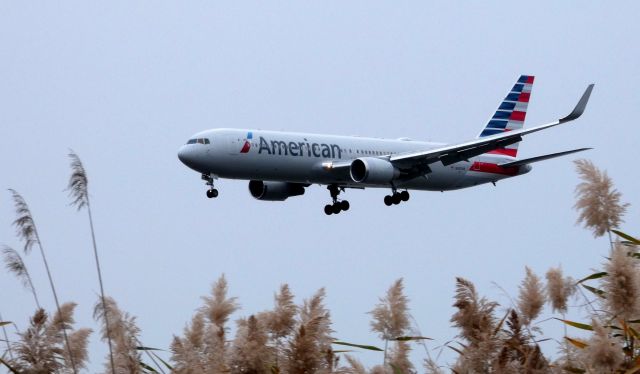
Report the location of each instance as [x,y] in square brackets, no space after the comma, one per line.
[79,193]
[6,338]
[27,231]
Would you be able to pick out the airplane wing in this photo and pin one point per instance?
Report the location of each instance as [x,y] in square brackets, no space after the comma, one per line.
[451,154]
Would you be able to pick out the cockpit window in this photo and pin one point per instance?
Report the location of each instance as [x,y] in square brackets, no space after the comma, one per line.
[199,141]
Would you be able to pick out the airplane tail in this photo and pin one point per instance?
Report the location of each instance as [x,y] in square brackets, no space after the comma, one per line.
[510,114]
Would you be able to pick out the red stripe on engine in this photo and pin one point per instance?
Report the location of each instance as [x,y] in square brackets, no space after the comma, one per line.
[517,115]
[524,97]
[505,151]
[486,167]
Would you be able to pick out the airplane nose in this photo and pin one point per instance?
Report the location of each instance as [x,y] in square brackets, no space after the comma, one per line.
[187,156]
[192,158]
[182,155]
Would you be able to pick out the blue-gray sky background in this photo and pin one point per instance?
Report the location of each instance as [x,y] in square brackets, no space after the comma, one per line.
[126,83]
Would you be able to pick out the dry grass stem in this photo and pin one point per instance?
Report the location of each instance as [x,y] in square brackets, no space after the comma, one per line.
[79,193]
[27,231]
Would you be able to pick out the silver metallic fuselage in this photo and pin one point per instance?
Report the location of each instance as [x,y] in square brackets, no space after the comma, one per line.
[307,158]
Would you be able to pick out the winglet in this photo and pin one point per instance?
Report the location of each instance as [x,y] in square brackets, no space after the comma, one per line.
[579,109]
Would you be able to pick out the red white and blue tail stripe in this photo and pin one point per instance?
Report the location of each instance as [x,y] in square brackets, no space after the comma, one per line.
[510,114]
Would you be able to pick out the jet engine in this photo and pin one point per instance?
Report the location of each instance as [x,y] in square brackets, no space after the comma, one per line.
[274,191]
[372,170]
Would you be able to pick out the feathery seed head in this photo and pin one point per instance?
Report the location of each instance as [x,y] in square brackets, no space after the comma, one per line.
[355,365]
[250,353]
[25,226]
[622,285]
[78,182]
[218,307]
[531,298]
[123,332]
[604,355]
[281,321]
[475,315]
[391,315]
[63,319]
[317,319]
[15,265]
[597,201]
[559,289]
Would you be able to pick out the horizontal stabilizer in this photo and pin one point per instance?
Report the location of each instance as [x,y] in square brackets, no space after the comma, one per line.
[540,158]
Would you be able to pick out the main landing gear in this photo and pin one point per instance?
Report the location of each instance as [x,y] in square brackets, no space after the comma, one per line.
[396,198]
[337,206]
[211,192]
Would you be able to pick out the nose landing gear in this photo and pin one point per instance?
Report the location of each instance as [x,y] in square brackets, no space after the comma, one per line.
[337,206]
[396,197]
[211,192]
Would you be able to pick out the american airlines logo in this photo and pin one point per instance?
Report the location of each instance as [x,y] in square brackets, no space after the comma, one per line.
[301,149]
[247,143]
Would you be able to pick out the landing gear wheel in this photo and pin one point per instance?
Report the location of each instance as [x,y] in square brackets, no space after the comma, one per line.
[344,205]
[212,193]
[404,195]
[396,199]
[388,200]
[337,206]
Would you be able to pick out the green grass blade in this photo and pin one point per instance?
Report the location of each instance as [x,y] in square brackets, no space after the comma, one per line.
[627,237]
[147,367]
[578,325]
[163,361]
[577,343]
[407,338]
[148,349]
[595,291]
[369,347]
[593,276]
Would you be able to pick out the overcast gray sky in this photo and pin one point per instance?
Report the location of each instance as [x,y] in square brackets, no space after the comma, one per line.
[126,83]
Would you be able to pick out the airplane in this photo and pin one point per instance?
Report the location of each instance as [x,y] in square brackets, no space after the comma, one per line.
[279,165]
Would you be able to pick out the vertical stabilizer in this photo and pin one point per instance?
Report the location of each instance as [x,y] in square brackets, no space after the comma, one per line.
[510,114]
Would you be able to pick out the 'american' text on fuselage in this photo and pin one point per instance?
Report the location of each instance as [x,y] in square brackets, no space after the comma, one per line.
[299,149]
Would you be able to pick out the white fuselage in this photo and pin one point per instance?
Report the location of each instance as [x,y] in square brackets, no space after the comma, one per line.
[308,159]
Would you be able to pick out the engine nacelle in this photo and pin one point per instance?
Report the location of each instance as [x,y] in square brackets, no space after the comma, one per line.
[372,170]
[274,191]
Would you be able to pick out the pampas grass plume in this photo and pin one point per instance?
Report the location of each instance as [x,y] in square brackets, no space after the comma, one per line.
[531,298]
[598,202]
